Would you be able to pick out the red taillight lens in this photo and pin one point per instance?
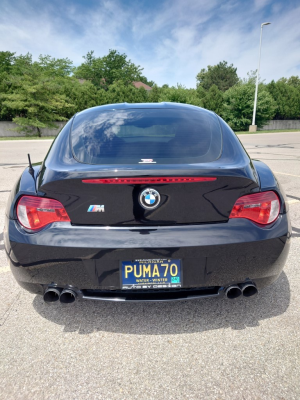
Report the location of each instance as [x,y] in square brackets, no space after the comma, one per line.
[36,212]
[147,180]
[262,208]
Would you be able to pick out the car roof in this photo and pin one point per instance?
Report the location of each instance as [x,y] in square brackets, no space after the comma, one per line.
[127,106]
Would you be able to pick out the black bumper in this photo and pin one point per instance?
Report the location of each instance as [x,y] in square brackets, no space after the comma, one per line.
[213,256]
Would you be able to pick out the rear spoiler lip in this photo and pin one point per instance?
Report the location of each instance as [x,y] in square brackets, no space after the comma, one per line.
[239,168]
[148,180]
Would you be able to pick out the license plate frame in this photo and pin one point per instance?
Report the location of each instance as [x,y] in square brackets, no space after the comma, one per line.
[148,280]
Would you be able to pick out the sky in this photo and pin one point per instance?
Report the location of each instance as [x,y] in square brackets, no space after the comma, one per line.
[171,39]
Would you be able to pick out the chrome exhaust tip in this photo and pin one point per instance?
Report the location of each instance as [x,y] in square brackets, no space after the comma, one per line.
[248,289]
[68,296]
[51,295]
[232,292]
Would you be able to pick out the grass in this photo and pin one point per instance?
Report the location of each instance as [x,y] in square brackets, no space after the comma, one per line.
[27,138]
[272,131]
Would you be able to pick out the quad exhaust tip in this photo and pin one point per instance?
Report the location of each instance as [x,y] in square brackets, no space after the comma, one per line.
[247,289]
[68,296]
[52,295]
[233,292]
[65,296]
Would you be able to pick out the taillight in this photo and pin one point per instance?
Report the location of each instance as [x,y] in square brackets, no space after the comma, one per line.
[36,212]
[262,208]
[148,180]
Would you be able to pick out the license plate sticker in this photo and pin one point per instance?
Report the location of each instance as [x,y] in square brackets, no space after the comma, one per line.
[151,274]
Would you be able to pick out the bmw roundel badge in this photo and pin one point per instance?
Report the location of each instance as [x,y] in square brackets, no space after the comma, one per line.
[149,199]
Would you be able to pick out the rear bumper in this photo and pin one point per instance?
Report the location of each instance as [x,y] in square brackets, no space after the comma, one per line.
[213,256]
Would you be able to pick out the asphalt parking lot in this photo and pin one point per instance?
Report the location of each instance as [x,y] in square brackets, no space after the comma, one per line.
[203,349]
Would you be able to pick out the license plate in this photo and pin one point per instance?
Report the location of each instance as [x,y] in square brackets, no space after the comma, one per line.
[151,274]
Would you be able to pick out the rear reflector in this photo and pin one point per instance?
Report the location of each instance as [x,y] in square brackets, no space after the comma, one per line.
[36,212]
[140,181]
[262,208]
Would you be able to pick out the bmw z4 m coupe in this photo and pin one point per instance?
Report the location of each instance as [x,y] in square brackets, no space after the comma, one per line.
[143,202]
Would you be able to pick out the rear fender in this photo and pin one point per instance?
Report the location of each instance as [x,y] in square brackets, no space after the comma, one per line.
[268,181]
[25,185]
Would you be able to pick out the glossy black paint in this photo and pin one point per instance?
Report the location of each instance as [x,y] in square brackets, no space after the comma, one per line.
[88,257]
[215,251]
[61,178]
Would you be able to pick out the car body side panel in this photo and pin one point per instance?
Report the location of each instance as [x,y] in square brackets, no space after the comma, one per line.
[25,185]
[268,181]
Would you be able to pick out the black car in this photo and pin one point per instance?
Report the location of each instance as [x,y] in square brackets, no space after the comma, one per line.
[142,202]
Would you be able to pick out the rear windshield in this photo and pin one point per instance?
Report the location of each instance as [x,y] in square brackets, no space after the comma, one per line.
[146,136]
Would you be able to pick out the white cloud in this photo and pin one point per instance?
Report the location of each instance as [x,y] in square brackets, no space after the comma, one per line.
[258,4]
[172,41]
[232,35]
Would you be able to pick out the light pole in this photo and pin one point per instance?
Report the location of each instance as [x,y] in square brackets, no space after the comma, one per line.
[253,127]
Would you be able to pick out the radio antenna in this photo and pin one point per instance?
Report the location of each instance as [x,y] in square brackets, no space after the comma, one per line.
[30,165]
[31,170]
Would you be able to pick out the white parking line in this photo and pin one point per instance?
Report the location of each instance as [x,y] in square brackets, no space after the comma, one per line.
[26,141]
[293,201]
[4,269]
[283,173]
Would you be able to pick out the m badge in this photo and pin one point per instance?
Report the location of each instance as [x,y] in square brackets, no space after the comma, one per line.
[95,208]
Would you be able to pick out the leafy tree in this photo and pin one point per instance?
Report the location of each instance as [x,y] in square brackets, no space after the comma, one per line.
[55,66]
[143,79]
[117,67]
[180,94]
[104,71]
[91,69]
[36,101]
[222,75]
[6,61]
[119,92]
[80,95]
[238,106]
[22,64]
[154,94]
[251,78]
[213,100]
[287,98]
[294,81]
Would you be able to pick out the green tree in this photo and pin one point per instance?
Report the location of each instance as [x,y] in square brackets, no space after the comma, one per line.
[287,98]
[91,69]
[7,59]
[22,64]
[119,92]
[154,94]
[35,101]
[238,106]
[143,79]
[213,100]
[103,72]
[118,67]
[55,66]
[180,94]
[80,95]
[294,81]
[222,75]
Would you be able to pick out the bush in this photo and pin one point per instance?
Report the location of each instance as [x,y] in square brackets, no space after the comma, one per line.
[180,94]
[287,98]
[239,103]
[213,100]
